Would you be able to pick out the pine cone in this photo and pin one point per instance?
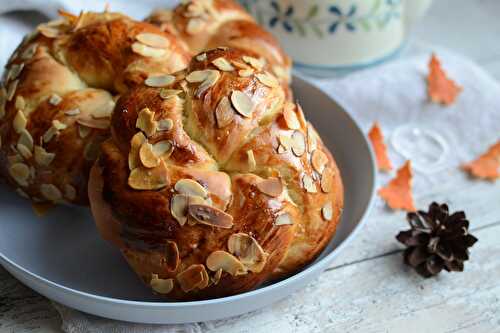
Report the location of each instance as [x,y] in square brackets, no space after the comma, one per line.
[436,240]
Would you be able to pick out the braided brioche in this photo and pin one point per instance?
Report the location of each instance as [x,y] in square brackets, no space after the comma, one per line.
[207,24]
[215,183]
[60,90]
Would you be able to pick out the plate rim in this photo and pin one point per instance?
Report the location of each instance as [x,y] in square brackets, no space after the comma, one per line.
[315,266]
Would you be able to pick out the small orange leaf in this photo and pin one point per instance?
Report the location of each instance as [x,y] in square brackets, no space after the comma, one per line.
[486,166]
[398,193]
[440,88]
[377,139]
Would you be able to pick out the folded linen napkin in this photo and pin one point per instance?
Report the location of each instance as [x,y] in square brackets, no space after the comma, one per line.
[393,94]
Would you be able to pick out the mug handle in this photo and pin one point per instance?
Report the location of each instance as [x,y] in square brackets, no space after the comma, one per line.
[414,10]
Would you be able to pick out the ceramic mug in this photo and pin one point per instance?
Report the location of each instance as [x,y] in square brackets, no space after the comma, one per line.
[338,34]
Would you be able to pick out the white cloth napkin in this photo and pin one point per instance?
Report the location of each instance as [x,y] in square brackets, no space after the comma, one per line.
[393,94]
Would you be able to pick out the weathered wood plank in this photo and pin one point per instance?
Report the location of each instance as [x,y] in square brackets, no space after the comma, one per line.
[22,310]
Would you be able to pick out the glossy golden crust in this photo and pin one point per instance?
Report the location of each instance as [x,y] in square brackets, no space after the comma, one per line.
[230,192]
[58,94]
[207,24]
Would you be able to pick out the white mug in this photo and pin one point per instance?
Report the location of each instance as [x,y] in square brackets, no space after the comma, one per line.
[338,34]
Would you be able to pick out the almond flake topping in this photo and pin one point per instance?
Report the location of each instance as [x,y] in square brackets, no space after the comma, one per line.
[19,122]
[29,52]
[43,158]
[222,64]
[224,113]
[178,208]
[20,172]
[242,103]
[327,178]
[258,64]
[268,80]
[50,192]
[191,278]
[11,91]
[272,186]
[201,57]
[20,103]
[291,120]
[225,261]
[159,81]
[319,160]
[172,258]
[308,184]
[72,112]
[283,219]
[147,51]
[190,187]
[161,286]
[168,93]
[298,143]
[327,211]
[146,123]
[69,192]
[135,145]
[24,151]
[55,99]
[153,40]
[211,216]
[248,251]
[149,179]
[165,125]
[148,159]
[26,139]
[252,164]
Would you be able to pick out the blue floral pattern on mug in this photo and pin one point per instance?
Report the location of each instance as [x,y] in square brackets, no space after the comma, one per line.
[380,14]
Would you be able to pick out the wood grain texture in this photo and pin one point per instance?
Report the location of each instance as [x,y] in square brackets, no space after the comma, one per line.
[368,289]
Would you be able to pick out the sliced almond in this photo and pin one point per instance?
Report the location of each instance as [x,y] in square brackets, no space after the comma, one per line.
[159,81]
[55,99]
[163,149]
[69,192]
[224,113]
[29,52]
[211,216]
[285,141]
[240,65]
[149,179]
[246,72]
[201,57]
[216,278]
[135,145]
[206,279]
[172,258]
[153,40]
[212,78]
[48,31]
[49,134]
[242,103]
[190,187]
[308,184]
[43,158]
[327,178]
[311,139]
[226,262]
[291,120]
[146,123]
[148,158]
[222,64]
[319,160]
[252,164]
[268,80]
[281,72]
[19,122]
[195,26]
[165,125]
[298,143]
[197,76]
[20,172]
[248,251]
[179,208]
[191,278]
[72,112]
[11,91]
[14,71]
[58,125]
[168,93]
[104,109]
[161,286]
[26,139]
[50,192]
[258,64]
[327,211]
[147,51]
[272,186]
[283,219]
[90,122]
[24,151]
[20,103]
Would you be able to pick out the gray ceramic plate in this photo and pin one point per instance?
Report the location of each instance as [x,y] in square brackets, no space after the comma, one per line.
[62,257]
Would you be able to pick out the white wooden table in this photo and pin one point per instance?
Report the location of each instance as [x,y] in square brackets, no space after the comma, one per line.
[368,289]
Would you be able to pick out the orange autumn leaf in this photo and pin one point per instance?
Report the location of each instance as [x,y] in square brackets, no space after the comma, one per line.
[398,193]
[486,166]
[377,139]
[440,88]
